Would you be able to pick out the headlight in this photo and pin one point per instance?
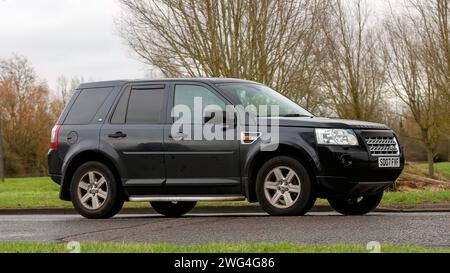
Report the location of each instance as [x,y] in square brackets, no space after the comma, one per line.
[336,137]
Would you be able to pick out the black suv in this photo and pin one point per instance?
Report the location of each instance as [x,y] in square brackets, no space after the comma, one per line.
[150,140]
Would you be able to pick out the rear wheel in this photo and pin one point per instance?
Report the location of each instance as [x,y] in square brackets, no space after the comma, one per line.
[173,209]
[356,205]
[284,187]
[94,191]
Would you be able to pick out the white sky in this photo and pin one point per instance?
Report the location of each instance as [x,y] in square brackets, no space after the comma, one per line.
[71,38]
[67,37]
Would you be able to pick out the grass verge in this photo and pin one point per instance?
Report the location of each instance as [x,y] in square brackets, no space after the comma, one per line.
[443,168]
[414,198]
[262,247]
[41,192]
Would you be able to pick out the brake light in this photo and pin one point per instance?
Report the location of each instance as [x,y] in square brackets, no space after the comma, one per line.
[54,137]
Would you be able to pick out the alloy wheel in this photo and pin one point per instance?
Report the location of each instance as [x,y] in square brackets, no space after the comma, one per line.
[282,187]
[92,190]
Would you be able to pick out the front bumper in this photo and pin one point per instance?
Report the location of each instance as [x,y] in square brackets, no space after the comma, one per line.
[342,186]
[353,170]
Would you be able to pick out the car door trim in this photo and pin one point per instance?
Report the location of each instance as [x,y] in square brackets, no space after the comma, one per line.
[177,153]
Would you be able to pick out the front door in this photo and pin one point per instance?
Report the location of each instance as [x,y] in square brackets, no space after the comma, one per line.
[196,165]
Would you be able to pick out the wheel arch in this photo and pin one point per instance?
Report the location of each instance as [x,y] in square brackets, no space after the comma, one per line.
[260,157]
[78,160]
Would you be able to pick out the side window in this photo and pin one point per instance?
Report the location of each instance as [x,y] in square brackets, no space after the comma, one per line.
[86,105]
[145,106]
[121,108]
[185,96]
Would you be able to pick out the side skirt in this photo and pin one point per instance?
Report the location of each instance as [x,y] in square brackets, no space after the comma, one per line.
[171,198]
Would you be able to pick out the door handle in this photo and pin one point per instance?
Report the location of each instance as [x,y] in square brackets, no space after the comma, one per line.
[179,135]
[117,135]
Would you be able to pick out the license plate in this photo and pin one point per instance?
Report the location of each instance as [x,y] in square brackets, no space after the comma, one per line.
[388,162]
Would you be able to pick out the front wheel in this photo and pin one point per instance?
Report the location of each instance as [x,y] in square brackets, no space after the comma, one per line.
[173,209]
[356,205]
[284,187]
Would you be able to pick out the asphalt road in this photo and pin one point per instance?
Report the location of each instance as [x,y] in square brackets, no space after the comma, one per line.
[428,229]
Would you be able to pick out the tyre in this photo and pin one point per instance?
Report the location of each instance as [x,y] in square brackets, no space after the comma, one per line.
[95,192]
[356,205]
[283,187]
[173,209]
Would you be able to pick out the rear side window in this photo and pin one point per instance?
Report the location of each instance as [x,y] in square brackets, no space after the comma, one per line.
[86,105]
[145,106]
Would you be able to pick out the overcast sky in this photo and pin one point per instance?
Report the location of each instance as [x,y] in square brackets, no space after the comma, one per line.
[67,37]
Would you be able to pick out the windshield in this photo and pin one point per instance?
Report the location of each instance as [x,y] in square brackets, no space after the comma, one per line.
[248,94]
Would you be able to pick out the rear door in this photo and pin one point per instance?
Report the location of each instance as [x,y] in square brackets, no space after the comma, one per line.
[82,123]
[135,133]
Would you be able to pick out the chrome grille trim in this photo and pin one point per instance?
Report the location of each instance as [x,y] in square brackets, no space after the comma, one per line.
[383,146]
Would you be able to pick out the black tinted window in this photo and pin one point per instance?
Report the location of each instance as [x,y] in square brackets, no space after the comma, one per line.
[121,108]
[87,105]
[145,106]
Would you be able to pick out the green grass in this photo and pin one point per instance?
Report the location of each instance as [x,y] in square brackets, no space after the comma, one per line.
[41,192]
[36,192]
[262,247]
[415,198]
[443,168]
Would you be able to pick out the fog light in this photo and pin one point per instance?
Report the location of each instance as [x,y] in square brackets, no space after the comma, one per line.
[346,160]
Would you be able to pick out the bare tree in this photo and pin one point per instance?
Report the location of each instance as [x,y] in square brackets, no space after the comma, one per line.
[62,88]
[19,73]
[415,75]
[433,24]
[267,41]
[66,87]
[2,163]
[26,117]
[352,72]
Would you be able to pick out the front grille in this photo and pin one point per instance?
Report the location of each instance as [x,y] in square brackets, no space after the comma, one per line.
[379,146]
